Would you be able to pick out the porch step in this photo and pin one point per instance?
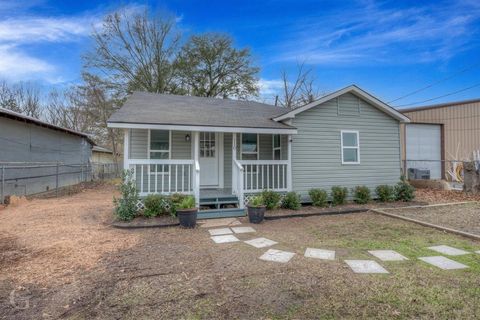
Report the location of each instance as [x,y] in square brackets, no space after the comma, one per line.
[220,213]
[219,200]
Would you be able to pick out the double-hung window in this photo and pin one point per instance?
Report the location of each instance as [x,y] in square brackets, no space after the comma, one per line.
[277,148]
[159,149]
[350,143]
[249,146]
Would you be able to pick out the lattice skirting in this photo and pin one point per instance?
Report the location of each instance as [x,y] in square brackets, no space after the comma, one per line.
[248,196]
[141,204]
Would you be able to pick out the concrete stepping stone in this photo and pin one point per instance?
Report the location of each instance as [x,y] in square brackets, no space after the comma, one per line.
[220,231]
[387,255]
[243,229]
[478,251]
[261,242]
[448,250]
[225,238]
[365,266]
[443,263]
[320,254]
[277,256]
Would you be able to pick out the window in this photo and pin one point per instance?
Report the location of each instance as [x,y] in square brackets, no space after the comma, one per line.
[159,148]
[207,144]
[249,146]
[350,147]
[277,148]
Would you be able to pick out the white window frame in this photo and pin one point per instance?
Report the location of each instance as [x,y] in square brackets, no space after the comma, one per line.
[150,150]
[241,147]
[356,147]
[279,148]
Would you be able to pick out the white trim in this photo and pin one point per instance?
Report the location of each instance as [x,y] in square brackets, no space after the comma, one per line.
[350,89]
[279,145]
[356,147]
[200,128]
[221,169]
[126,148]
[259,162]
[289,167]
[241,147]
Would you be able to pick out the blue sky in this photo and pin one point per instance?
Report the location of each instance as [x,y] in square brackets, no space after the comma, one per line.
[386,47]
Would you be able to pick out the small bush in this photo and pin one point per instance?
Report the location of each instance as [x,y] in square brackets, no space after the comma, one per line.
[361,194]
[339,195]
[291,201]
[188,202]
[319,197]
[271,199]
[385,193]
[404,191]
[156,205]
[126,206]
[256,201]
[175,200]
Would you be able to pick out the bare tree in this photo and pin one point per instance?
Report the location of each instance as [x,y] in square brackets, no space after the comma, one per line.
[62,110]
[22,98]
[209,66]
[135,52]
[98,100]
[300,90]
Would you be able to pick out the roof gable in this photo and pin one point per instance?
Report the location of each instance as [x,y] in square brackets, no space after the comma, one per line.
[350,89]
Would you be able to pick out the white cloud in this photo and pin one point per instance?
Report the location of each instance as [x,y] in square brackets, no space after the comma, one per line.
[373,33]
[269,87]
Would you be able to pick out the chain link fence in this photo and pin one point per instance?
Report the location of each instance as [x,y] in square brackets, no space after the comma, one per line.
[28,178]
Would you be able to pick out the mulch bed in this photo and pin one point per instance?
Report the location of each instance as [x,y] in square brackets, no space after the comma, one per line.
[463,217]
[142,222]
[351,207]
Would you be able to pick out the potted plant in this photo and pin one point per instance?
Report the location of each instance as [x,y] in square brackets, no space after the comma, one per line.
[187,212]
[256,209]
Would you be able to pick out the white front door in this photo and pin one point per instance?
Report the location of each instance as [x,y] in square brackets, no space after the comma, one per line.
[209,159]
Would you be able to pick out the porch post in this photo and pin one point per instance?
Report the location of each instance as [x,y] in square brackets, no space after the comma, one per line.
[289,167]
[234,157]
[196,184]
[126,148]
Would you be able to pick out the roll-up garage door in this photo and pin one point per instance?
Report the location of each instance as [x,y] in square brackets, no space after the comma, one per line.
[424,151]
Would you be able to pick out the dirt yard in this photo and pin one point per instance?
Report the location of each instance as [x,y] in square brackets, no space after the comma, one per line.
[61,259]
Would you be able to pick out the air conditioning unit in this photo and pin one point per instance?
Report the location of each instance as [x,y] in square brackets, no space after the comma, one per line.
[418,174]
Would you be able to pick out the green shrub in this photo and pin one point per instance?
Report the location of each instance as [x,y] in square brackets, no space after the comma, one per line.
[187,202]
[361,194]
[175,200]
[291,201]
[319,197]
[385,193]
[256,201]
[339,195]
[271,199]
[126,206]
[155,205]
[404,191]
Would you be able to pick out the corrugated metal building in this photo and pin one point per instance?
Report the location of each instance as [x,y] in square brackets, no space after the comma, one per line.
[27,143]
[448,131]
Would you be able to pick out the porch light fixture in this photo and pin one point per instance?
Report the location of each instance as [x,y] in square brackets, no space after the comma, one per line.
[187,137]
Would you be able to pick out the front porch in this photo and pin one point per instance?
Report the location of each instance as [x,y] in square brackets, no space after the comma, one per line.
[221,169]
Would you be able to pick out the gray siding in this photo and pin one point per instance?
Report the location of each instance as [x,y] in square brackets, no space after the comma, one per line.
[27,142]
[138,144]
[181,149]
[227,160]
[316,150]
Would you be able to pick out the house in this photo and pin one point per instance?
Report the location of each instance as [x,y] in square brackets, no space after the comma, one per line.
[438,135]
[223,151]
[31,148]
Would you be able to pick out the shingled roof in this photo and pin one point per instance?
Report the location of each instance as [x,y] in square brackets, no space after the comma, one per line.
[165,109]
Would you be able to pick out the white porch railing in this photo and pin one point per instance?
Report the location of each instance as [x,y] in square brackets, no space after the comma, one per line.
[166,176]
[261,175]
[237,182]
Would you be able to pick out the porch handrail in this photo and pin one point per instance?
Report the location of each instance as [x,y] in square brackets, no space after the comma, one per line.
[196,185]
[237,182]
[259,162]
[160,161]
[259,175]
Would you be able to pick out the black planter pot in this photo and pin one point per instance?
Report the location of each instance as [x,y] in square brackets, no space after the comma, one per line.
[256,214]
[187,217]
